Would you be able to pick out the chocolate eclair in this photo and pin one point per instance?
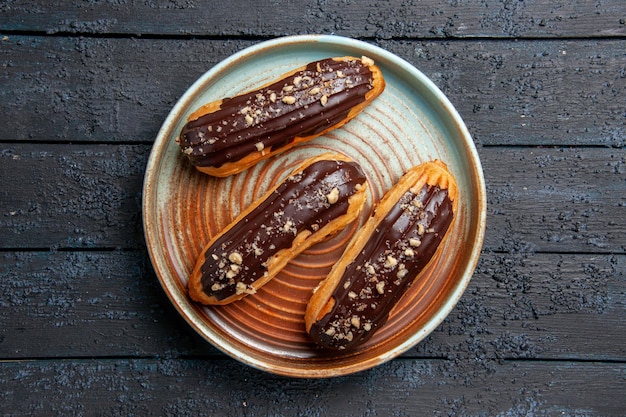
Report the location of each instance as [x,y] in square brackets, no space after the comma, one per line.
[383,258]
[318,199]
[232,134]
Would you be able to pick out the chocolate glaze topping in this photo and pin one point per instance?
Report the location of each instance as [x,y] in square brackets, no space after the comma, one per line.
[305,201]
[372,284]
[302,105]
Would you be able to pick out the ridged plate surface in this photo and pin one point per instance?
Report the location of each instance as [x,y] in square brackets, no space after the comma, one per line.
[410,123]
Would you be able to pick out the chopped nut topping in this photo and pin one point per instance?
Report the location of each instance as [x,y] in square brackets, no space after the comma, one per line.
[313,91]
[380,287]
[323,100]
[289,227]
[367,327]
[259,146]
[236,258]
[366,292]
[355,321]
[409,253]
[352,295]
[333,196]
[402,273]
[289,99]
[415,242]
[297,81]
[240,288]
[288,88]
[249,120]
[273,97]
[420,229]
[367,61]
[390,262]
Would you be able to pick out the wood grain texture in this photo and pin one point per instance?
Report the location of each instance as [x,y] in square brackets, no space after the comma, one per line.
[528,92]
[169,387]
[85,328]
[87,304]
[369,18]
[65,196]
[84,196]
[109,304]
[121,90]
[540,306]
[557,200]
[86,90]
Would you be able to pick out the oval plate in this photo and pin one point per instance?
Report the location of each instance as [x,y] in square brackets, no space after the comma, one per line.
[411,122]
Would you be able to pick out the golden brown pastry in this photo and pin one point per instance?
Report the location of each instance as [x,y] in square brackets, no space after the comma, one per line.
[229,135]
[383,258]
[318,199]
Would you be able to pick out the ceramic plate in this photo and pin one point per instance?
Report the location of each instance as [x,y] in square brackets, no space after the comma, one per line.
[410,123]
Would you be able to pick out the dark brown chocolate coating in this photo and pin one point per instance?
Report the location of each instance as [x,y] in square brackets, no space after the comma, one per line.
[373,283]
[304,201]
[302,105]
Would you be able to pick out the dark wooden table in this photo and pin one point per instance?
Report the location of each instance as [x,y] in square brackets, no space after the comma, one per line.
[85,328]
